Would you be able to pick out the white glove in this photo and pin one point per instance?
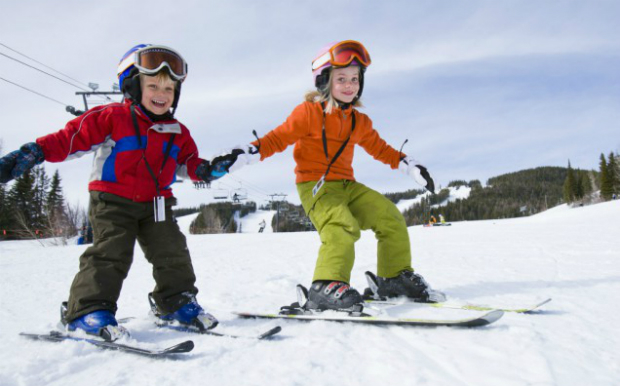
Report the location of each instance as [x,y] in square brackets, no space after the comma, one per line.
[249,155]
[418,172]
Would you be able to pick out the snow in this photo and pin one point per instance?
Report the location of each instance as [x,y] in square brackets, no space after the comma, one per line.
[251,222]
[569,254]
[456,193]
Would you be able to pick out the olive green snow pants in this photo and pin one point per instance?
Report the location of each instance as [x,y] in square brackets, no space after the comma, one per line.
[340,209]
[117,223]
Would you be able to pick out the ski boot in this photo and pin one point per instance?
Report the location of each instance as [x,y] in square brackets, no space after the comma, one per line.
[330,295]
[189,315]
[407,283]
[100,323]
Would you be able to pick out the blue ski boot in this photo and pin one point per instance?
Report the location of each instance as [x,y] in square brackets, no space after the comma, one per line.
[190,315]
[100,323]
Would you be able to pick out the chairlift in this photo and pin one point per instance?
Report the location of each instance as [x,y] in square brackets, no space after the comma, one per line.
[293,215]
[240,194]
[220,194]
[284,206]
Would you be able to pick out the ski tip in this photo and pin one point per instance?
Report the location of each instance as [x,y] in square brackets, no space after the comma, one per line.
[534,308]
[543,302]
[492,316]
[182,347]
[270,333]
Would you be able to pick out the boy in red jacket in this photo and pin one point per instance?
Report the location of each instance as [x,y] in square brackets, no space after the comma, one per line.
[139,149]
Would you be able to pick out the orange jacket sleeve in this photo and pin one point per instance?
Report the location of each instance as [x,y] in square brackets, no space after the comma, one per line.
[377,147]
[277,140]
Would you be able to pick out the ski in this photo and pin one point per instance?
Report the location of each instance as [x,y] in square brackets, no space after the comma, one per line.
[56,336]
[371,297]
[336,316]
[265,335]
[465,306]
[194,330]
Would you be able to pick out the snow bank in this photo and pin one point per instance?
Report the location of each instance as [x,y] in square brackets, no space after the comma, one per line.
[570,255]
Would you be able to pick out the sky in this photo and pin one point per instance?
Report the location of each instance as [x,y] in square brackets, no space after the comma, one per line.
[479,88]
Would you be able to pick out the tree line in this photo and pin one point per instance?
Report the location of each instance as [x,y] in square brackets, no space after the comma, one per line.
[582,187]
[34,207]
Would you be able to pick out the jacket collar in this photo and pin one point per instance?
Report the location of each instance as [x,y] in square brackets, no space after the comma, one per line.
[171,126]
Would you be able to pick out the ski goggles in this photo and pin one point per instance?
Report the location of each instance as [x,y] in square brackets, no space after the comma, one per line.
[152,59]
[343,54]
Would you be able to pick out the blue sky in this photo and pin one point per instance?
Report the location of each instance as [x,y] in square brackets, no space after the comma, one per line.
[479,88]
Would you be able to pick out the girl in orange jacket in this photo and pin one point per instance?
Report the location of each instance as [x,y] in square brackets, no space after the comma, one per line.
[324,129]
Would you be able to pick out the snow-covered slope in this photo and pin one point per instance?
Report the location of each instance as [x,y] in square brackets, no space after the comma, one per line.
[456,193]
[571,255]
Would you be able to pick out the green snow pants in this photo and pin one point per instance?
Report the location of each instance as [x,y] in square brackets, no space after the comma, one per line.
[117,223]
[338,212]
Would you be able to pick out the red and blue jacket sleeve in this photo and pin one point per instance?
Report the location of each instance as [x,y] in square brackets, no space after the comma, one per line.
[80,136]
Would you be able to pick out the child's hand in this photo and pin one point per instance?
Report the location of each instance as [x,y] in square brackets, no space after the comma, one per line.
[16,163]
[244,155]
[418,172]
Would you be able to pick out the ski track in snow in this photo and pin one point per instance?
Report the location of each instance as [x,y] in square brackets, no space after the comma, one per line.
[571,255]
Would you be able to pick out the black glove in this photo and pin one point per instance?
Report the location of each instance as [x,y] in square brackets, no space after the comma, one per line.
[218,167]
[19,161]
[418,172]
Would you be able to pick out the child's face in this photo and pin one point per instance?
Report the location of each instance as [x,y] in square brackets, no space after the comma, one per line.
[345,83]
[157,95]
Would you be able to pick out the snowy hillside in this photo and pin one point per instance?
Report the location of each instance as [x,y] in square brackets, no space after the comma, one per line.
[570,255]
[456,193]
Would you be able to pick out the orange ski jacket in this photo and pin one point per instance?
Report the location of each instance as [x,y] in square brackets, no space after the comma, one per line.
[304,128]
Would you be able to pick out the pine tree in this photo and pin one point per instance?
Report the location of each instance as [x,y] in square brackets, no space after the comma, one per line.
[569,186]
[40,187]
[58,220]
[606,182]
[5,219]
[54,197]
[613,174]
[21,199]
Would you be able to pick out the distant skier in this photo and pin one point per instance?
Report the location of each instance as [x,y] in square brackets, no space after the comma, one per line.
[138,147]
[442,220]
[432,220]
[262,225]
[324,129]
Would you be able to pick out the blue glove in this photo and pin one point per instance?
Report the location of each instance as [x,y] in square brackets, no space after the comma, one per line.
[18,162]
[218,167]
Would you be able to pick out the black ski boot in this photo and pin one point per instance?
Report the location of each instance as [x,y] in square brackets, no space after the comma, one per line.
[333,295]
[407,283]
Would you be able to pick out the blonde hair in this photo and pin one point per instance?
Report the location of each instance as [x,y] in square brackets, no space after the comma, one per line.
[330,101]
[162,77]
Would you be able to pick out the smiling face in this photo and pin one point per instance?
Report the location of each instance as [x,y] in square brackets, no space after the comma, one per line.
[157,93]
[345,83]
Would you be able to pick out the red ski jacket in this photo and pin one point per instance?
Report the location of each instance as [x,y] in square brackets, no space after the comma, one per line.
[119,167]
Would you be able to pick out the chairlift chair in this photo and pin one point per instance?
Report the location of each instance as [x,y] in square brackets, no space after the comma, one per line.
[220,194]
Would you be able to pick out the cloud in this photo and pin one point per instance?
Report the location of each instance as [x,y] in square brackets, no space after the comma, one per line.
[479,88]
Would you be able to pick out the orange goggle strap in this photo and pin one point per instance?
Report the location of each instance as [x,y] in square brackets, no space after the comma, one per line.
[342,54]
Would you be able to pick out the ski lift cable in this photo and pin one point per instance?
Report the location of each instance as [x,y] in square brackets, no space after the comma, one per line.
[34,92]
[251,186]
[47,73]
[43,64]
[243,187]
